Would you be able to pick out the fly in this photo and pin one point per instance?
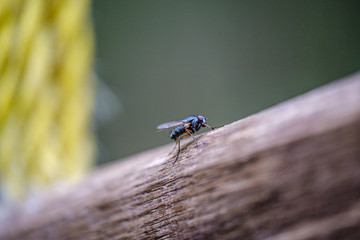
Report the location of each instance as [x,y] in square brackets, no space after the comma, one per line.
[187,126]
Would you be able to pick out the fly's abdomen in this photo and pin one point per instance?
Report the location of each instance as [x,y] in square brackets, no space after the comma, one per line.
[177,132]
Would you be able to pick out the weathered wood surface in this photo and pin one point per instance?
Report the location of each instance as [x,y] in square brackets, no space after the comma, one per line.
[288,172]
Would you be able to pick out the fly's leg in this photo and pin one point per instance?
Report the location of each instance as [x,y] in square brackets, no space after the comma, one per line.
[174,147]
[178,152]
[192,136]
[208,126]
[178,143]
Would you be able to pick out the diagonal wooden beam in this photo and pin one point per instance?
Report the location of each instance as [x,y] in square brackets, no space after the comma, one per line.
[289,172]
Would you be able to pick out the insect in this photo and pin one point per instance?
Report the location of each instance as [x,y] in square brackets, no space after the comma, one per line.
[187,126]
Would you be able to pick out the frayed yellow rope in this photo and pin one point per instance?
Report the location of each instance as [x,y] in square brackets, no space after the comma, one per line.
[46,92]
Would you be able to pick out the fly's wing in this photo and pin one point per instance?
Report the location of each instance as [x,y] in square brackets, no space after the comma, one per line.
[168,125]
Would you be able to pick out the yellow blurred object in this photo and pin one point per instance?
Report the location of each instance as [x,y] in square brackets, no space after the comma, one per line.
[46,93]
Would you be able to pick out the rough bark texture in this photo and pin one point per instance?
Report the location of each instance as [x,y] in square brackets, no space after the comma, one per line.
[288,172]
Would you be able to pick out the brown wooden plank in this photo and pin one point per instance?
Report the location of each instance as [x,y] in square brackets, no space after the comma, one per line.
[288,172]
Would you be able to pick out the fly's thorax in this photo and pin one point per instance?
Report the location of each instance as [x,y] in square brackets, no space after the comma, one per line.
[195,125]
[190,119]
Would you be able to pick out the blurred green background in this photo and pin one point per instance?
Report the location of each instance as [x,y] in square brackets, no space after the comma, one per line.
[160,61]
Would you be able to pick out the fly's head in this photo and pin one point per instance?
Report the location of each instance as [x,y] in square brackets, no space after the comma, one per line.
[202,119]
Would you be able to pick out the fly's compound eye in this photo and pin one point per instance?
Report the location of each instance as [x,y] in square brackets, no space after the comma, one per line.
[202,119]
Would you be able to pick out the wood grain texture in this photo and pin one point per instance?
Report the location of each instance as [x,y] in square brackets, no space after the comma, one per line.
[288,172]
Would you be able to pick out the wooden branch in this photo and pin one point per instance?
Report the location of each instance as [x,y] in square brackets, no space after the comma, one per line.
[289,172]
